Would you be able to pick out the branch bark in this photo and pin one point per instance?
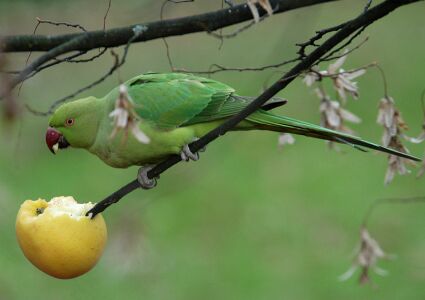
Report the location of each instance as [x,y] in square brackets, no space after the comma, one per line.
[158,29]
[349,28]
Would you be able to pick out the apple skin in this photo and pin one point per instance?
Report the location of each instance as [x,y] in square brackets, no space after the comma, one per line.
[62,246]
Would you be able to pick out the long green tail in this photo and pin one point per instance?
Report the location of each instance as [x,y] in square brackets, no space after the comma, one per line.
[268,121]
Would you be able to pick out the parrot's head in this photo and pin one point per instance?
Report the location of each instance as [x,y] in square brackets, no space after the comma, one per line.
[74,124]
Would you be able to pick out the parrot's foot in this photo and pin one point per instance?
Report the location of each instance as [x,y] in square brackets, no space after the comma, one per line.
[144,181]
[187,155]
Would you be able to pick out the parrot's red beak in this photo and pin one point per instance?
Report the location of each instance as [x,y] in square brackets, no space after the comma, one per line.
[52,139]
[55,140]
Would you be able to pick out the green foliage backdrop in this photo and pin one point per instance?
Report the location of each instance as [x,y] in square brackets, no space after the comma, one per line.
[249,220]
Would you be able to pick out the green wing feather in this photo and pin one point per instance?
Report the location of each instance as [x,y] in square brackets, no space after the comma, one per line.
[171,100]
[266,120]
[176,99]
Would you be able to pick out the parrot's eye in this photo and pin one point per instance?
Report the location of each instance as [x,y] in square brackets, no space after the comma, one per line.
[69,122]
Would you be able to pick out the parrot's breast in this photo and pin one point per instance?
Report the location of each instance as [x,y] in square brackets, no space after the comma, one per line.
[124,150]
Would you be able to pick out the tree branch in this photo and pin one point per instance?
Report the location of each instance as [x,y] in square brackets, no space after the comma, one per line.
[158,29]
[117,64]
[57,45]
[350,27]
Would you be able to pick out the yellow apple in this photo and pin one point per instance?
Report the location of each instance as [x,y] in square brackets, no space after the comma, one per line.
[58,238]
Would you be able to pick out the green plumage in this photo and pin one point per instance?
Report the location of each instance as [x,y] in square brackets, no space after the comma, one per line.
[175,109]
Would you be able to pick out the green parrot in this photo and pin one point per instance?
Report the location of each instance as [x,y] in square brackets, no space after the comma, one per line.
[169,111]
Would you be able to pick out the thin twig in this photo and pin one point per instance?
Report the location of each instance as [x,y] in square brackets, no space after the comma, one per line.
[10,71]
[106,15]
[348,42]
[29,69]
[220,68]
[358,46]
[233,34]
[10,109]
[221,29]
[367,6]
[29,55]
[117,64]
[335,75]
[312,41]
[319,34]
[63,48]
[161,17]
[70,59]
[78,26]
[167,49]
[229,2]
[64,99]
[376,203]
[384,79]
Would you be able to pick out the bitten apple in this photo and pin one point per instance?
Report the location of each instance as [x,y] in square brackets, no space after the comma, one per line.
[58,238]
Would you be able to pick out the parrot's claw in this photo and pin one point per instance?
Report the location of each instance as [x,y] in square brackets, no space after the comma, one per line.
[187,155]
[144,181]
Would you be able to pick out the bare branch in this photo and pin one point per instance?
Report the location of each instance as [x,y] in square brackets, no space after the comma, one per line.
[66,47]
[329,58]
[348,42]
[159,29]
[26,63]
[229,2]
[57,45]
[11,109]
[368,4]
[384,79]
[10,71]
[220,68]
[378,202]
[216,68]
[55,104]
[67,59]
[237,31]
[106,15]
[117,64]
[78,26]
[70,59]
[333,75]
[161,17]
[312,41]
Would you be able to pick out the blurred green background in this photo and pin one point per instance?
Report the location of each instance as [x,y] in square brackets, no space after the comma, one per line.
[249,220]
